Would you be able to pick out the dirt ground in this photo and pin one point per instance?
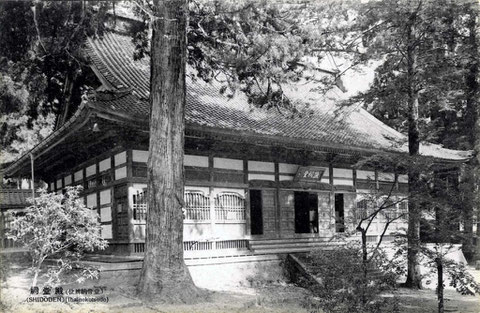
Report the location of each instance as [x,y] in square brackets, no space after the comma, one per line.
[264,297]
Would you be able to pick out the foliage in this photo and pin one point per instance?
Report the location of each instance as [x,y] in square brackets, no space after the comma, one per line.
[441,198]
[441,203]
[461,280]
[58,226]
[344,286]
[42,66]
[445,53]
[442,229]
[259,47]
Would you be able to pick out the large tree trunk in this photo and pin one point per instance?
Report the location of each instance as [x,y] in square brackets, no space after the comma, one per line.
[414,210]
[364,265]
[472,124]
[164,276]
[440,288]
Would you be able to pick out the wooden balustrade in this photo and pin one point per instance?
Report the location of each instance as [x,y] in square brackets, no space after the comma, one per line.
[205,245]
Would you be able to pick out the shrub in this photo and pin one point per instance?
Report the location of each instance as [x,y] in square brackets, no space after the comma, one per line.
[58,226]
[350,285]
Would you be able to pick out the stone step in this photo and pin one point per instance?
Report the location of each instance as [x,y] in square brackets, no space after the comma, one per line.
[308,245]
[282,250]
[286,245]
[286,240]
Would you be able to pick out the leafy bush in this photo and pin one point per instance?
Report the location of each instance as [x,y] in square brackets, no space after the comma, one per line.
[59,227]
[350,285]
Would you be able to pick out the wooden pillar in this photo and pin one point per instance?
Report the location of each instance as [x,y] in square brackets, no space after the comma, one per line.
[278,213]
[355,179]
[248,230]
[129,163]
[332,198]
[212,201]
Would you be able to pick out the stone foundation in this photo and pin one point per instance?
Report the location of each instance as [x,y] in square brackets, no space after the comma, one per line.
[213,273]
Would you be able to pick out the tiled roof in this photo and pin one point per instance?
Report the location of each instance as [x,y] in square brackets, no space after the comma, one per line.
[14,198]
[349,128]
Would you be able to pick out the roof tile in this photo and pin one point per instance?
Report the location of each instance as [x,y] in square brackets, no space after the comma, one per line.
[112,56]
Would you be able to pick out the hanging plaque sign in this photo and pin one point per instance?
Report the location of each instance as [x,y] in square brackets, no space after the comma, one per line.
[309,174]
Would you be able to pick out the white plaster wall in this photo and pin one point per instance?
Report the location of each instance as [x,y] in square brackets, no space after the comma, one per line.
[285,168]
[270,177]
[78,175]
[120,158]
[68,180]
[107,231]
[365,175]
[105,196]
[91,170]
[92,200]
[343,172]
[230,231]
[105,164]
[106,214]
[195,160]
[231,164]
[386,176]
[197,231]
[121,173]
[257,166]
[139,156]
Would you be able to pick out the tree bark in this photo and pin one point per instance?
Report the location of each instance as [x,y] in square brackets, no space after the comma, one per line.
[164,276]
[440,288]
[364,265]
[472,124]
[414,210]
[35,276]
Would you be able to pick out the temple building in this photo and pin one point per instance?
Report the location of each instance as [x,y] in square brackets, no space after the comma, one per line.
[258,181]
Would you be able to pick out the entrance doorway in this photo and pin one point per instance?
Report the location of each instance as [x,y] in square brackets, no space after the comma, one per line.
[256,215]
[306,212]
[339,213]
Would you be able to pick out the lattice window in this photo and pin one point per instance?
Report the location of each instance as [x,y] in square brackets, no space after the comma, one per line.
[362,209]
[229,206]
[389,210]
[92,183]
[105,179]
[140,206]
[122,217]
[197,205]
[403,208]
